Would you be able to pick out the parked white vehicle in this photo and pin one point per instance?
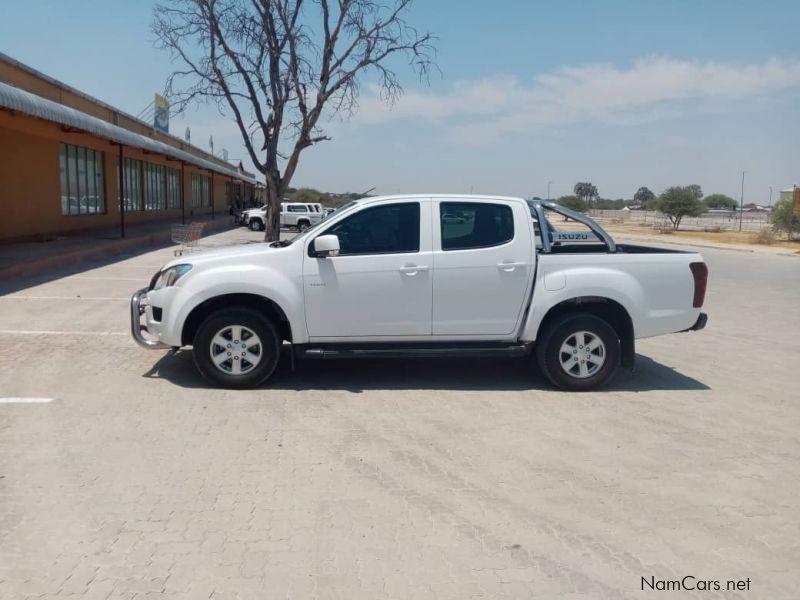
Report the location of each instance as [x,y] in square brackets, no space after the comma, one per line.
[424,275]
[296,215]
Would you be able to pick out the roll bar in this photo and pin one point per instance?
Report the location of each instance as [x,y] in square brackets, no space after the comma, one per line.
[538,207]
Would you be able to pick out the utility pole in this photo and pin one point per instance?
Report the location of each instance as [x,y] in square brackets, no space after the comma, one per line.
[770,195]
[548,190]
[741,204]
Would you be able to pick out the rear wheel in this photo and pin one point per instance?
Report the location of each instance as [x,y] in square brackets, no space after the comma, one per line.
[303,225]
[236,348]
[578,352]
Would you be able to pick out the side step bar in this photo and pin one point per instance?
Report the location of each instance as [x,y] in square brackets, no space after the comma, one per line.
[409,351]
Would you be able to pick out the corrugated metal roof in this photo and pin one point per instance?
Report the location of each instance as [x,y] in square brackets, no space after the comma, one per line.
[30,104]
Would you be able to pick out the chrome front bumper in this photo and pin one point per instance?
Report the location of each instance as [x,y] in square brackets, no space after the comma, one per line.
[137,310]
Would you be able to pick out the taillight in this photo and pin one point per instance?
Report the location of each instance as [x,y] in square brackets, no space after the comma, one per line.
[700,274]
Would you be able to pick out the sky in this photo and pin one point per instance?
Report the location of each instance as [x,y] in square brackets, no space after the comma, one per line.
[616,92]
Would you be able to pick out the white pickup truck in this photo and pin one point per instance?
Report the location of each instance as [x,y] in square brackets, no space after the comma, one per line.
[424,276]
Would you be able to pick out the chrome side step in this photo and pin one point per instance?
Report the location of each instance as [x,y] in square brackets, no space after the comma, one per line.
[410,351]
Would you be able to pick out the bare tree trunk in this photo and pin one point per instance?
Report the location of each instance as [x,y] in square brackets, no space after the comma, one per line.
[272,224]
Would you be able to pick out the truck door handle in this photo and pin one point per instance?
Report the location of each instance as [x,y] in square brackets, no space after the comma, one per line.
[412,270]
[510,266]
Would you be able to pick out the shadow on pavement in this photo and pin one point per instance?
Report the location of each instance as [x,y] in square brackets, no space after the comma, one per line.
[472,374]
[31,263]
[23,282]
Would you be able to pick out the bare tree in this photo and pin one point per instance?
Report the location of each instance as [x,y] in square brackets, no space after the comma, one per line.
[279,66]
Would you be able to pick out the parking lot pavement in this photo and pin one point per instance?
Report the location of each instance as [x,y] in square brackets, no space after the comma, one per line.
[401,479]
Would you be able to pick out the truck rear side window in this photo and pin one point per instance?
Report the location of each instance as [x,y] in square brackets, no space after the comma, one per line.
[468,225]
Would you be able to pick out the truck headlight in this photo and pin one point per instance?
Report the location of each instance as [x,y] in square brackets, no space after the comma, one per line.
[169,277]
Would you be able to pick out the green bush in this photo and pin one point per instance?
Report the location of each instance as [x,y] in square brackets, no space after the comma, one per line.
[678,202]
[573,202]
[783,219]
[719,201]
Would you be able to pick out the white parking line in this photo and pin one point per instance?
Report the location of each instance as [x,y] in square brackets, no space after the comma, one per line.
[25,400]
[64,298]
[124,266]
[105,278]
[51,332]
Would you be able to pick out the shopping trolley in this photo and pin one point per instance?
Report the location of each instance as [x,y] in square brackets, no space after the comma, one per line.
[187,236]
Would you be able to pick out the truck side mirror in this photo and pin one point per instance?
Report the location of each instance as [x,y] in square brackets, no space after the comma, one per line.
[326,246]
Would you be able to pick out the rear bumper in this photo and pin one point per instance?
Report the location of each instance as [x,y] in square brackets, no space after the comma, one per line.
[702,319]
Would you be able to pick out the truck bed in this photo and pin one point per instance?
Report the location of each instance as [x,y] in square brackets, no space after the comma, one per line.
[603,249]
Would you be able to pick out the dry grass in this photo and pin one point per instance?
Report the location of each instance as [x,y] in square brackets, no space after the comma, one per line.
[765,237]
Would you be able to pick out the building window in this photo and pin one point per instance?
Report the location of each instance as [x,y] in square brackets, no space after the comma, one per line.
[154,187]
[132,184]
[173,188]
[200,191]
[82,188]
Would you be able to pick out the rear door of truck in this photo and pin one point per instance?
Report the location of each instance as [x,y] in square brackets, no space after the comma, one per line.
[483,260]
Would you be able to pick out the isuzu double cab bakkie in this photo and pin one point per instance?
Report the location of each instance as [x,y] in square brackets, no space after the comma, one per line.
[425,276]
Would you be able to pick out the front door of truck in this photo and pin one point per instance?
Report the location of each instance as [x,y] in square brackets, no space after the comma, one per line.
[380,284]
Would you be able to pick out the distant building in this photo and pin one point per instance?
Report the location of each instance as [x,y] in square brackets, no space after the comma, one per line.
[60,152]
[786,194]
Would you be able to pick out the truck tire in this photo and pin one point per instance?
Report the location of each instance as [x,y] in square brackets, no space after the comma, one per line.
[256,225]
[578,352]
[303,225]
[236,348]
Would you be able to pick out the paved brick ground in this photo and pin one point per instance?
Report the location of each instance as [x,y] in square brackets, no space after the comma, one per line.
[407,479]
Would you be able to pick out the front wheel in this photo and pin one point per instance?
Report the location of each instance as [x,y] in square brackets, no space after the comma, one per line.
[303,225]
[578,352]
[255,225]
[236,348]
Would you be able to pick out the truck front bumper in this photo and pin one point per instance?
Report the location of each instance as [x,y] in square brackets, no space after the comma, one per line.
[139,308]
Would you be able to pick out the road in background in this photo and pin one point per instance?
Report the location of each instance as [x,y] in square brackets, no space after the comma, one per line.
[397,479]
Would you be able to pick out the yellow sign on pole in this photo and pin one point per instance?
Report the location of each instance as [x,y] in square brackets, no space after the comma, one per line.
[796,202]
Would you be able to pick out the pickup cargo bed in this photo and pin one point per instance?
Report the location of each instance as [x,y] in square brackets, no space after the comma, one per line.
[603,249]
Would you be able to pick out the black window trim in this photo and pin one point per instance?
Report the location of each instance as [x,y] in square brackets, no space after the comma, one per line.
[503,243]
[312,253]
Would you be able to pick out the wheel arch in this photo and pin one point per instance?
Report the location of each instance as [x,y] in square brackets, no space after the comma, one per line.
[262,304]
[611,311]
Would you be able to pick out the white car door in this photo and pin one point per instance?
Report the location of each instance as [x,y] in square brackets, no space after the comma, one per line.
[380,284]
[482,262]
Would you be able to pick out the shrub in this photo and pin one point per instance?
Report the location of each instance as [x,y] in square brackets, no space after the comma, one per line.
[573,202]
[766,236]
[782,217]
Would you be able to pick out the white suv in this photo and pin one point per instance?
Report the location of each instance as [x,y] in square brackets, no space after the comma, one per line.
[301,216]
[297,215]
